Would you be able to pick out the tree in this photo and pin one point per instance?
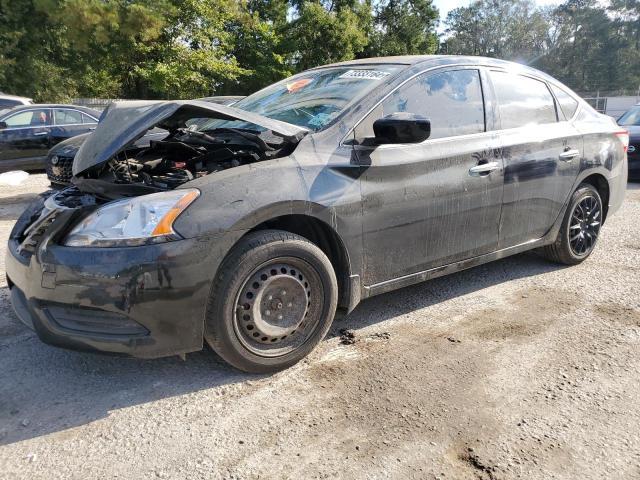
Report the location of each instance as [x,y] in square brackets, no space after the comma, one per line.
[33,52]
[508,29]
[257,45]
[322,34]
[404,27]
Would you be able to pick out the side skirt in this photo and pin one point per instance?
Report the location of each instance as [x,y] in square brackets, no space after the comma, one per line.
[405,281]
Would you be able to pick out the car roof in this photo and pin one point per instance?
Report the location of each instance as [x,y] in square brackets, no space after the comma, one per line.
[437,60]
[415,59]
[18,108]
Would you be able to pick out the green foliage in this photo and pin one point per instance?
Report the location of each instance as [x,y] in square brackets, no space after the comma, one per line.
[319,36]
[53,50]
[404,28]
[581,42]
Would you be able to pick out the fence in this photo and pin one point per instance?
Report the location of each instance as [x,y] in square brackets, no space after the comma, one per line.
[612,105]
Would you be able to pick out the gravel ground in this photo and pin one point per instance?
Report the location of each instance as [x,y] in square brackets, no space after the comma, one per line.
[516,369]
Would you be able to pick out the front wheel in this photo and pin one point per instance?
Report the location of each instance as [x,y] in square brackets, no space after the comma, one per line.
[272,302]
[580,227]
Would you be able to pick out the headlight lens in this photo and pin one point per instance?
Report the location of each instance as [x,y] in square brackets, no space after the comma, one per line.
[132,221]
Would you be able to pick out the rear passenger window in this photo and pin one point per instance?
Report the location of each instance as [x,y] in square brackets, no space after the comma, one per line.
[88,119]
[522,100]
[568,104]
[451,100]
[64,116]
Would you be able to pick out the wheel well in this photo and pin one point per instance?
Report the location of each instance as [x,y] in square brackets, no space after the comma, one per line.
[602,185]
[325,238]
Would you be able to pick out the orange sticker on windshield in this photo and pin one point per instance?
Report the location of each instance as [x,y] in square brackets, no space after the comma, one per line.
[298,84]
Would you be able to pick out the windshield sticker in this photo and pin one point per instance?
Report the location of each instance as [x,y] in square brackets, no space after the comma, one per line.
[364,74]
[298,84]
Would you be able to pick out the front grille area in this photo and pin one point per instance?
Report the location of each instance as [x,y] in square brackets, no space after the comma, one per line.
[88,321]
[61,171]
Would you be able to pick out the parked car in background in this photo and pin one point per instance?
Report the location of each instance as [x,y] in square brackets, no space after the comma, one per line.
[28,132]
[7,102]
[342,182]
[60,158]
[631,121]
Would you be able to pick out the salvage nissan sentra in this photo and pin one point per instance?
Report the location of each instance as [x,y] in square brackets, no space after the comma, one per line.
[249,227]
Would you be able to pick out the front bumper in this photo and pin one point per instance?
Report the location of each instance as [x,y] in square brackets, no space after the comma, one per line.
[147,301]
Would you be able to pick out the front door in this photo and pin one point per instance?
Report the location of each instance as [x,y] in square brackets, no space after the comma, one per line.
[437,202]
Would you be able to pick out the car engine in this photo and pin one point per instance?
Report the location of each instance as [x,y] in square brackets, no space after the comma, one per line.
[185,154]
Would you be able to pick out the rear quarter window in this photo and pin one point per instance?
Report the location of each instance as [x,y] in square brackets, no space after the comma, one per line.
[522,100]
[568,104]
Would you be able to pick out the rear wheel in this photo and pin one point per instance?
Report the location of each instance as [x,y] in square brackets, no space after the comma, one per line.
[580,227]
[272,302]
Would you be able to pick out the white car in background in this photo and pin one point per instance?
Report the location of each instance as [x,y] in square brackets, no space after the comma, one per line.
[9,101]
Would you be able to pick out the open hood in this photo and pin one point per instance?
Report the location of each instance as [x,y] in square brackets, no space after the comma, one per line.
[125,122]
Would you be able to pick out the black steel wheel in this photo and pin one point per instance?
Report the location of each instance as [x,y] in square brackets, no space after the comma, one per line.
[580,227]
[276,309]
[272,302]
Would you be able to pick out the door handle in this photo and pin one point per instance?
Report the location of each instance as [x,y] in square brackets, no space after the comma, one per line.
[92,128]
[37,134]
[483,169]
[569,155]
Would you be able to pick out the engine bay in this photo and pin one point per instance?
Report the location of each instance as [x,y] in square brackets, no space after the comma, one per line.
[185,154]
[142,147]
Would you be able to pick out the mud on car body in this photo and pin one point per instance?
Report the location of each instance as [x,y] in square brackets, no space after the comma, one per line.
[250,230]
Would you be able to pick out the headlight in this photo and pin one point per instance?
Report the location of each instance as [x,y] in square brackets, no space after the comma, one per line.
[133,221]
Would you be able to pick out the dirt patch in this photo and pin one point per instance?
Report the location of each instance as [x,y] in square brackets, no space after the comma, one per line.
[619,313]
[481,469]
[527,313]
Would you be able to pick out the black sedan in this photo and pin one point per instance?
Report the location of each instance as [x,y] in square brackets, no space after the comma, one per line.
[250,230]
[28,132]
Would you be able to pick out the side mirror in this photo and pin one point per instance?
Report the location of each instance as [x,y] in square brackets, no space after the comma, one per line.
[3,125]
[401,127]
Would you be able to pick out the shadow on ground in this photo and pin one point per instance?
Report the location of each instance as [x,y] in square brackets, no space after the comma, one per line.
[44,389]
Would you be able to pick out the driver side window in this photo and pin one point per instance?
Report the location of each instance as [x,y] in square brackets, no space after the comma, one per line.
[451,100]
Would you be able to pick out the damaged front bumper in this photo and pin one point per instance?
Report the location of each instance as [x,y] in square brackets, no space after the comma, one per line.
[145,301]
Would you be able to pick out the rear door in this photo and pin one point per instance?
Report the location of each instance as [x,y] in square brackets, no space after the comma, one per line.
[541,151]
[68,122]
[424,205]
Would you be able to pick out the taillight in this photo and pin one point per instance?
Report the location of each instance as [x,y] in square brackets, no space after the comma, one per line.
[623,135]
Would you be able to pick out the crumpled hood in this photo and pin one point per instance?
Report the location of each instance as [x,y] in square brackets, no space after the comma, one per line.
[125,122]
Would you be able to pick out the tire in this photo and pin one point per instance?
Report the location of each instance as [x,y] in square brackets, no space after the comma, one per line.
[583,217]
[272,302]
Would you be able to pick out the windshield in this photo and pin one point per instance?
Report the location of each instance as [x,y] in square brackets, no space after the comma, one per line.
[310,100]
[631,118]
